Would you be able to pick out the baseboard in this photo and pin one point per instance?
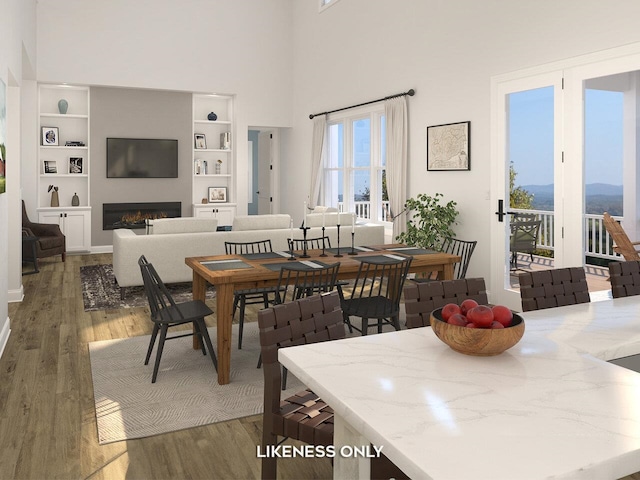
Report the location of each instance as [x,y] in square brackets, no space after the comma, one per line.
[5,331]
[102,249]
[15,295]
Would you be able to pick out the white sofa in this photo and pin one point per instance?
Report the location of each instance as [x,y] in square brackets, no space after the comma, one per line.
[166,246]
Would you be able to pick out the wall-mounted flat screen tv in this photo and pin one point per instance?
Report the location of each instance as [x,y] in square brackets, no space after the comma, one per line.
[142,158]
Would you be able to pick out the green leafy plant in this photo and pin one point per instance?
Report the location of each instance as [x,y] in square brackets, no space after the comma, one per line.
[429,221]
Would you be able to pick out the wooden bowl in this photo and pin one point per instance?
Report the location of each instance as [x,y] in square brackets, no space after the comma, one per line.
[477,341]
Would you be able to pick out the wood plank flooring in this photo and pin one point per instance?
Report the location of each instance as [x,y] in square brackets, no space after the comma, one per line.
[47,418]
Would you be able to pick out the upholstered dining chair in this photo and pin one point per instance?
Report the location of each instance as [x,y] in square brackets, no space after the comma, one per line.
[621,242]
[420,299]
[304,416]
[624,278]
[166,313]
[553,288]
[249,296]
[376,292]
[51,241]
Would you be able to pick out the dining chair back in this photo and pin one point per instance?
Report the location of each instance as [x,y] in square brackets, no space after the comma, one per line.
[376,292]
[553,288]
[624,278]
[462,248]
[621,242]
[524,237]
[317,243]
[296,282]
[249,296]
[420,299]
[166,313]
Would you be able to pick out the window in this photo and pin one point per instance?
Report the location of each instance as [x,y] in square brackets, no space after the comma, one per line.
[354,166]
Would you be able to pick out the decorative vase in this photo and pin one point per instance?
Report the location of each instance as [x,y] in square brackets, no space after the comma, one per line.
[212,116]
[75,200]
[55,200]
[218,167]
[63,105]
[205,200]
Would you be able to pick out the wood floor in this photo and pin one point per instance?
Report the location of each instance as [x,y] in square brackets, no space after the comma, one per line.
[47,418]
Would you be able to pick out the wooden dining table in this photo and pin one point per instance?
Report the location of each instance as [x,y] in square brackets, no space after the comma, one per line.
[232,272]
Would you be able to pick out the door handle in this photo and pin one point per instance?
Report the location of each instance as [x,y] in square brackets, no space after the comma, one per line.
[501,213]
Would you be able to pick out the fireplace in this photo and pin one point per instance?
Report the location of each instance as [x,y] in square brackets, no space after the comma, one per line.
[134,215]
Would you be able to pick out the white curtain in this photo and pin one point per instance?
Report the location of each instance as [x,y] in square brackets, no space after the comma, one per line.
[395,110]
[317,143]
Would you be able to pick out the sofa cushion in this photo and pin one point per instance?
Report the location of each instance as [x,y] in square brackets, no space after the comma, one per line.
[182,225]
[330,219]
[260,222]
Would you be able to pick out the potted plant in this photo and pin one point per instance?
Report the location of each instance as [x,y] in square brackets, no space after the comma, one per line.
[429,222]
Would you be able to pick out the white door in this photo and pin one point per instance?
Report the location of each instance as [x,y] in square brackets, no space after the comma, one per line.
[265,162]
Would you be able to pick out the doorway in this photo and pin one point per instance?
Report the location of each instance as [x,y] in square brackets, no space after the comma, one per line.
[263,165]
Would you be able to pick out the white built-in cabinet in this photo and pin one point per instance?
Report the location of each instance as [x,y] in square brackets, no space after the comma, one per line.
[64,165]
[213,158]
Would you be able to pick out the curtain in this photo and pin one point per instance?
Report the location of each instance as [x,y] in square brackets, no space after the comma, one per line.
[395,110]
[317,143]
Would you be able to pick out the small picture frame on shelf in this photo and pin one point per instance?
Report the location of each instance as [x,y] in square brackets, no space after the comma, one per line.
[75,165]
[217,194]
[50,136]
[200,141]
[50,166]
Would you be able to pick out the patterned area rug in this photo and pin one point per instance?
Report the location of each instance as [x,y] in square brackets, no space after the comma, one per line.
[101,292]
[186,393]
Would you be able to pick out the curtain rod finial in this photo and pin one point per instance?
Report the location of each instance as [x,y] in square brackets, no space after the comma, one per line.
[311,116]
[411,92]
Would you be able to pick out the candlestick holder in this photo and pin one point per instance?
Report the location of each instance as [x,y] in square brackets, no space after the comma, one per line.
[353,248]
[323,244]
[292,256]
[338,254]
[304,242]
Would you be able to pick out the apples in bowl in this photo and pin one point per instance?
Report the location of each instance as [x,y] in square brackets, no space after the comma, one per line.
[479,330]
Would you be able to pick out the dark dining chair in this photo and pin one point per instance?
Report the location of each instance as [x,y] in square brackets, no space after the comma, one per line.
[420,299]
[317,243]
[553,288]
[304,416]
[376,292]
[166,313]
[624,278]
[462,248]
[248,296]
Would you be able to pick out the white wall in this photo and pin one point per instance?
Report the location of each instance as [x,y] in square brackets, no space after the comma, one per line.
[17,57]
[360,50]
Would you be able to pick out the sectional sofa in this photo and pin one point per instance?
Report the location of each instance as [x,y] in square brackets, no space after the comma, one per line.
[167,242]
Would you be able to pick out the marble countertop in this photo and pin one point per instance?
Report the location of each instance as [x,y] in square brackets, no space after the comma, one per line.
[550,407]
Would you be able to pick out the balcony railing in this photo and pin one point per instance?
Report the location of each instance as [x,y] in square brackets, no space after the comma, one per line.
[364,210]
[598,242]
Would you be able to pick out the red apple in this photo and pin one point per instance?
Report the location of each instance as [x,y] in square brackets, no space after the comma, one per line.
[496,324]
[471,325]
[467,305]
[481,315]
[457,319]
[448,310]
[502,314]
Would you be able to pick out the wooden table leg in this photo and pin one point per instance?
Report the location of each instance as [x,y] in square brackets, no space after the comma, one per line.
[224,306]
[446,273]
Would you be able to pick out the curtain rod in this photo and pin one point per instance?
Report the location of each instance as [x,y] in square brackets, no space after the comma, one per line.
[411,93]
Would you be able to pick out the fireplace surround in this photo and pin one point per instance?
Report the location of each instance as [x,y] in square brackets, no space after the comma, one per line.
[134,215]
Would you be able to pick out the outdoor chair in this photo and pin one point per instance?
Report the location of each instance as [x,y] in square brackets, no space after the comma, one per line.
[376,292]
[248,296]
[624,278]
[420,299]
[553,288]
[50,239]
[524,237]
[303,416]
[166,313]
[621,242]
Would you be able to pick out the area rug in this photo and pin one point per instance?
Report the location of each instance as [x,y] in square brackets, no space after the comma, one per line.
[100,290]
[186,393]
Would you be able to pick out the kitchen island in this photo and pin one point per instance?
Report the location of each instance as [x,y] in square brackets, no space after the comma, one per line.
[550,407]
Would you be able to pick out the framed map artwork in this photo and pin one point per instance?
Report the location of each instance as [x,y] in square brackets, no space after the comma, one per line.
[448,146]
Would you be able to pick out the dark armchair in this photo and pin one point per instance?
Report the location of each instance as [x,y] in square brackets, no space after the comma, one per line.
[51,240]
